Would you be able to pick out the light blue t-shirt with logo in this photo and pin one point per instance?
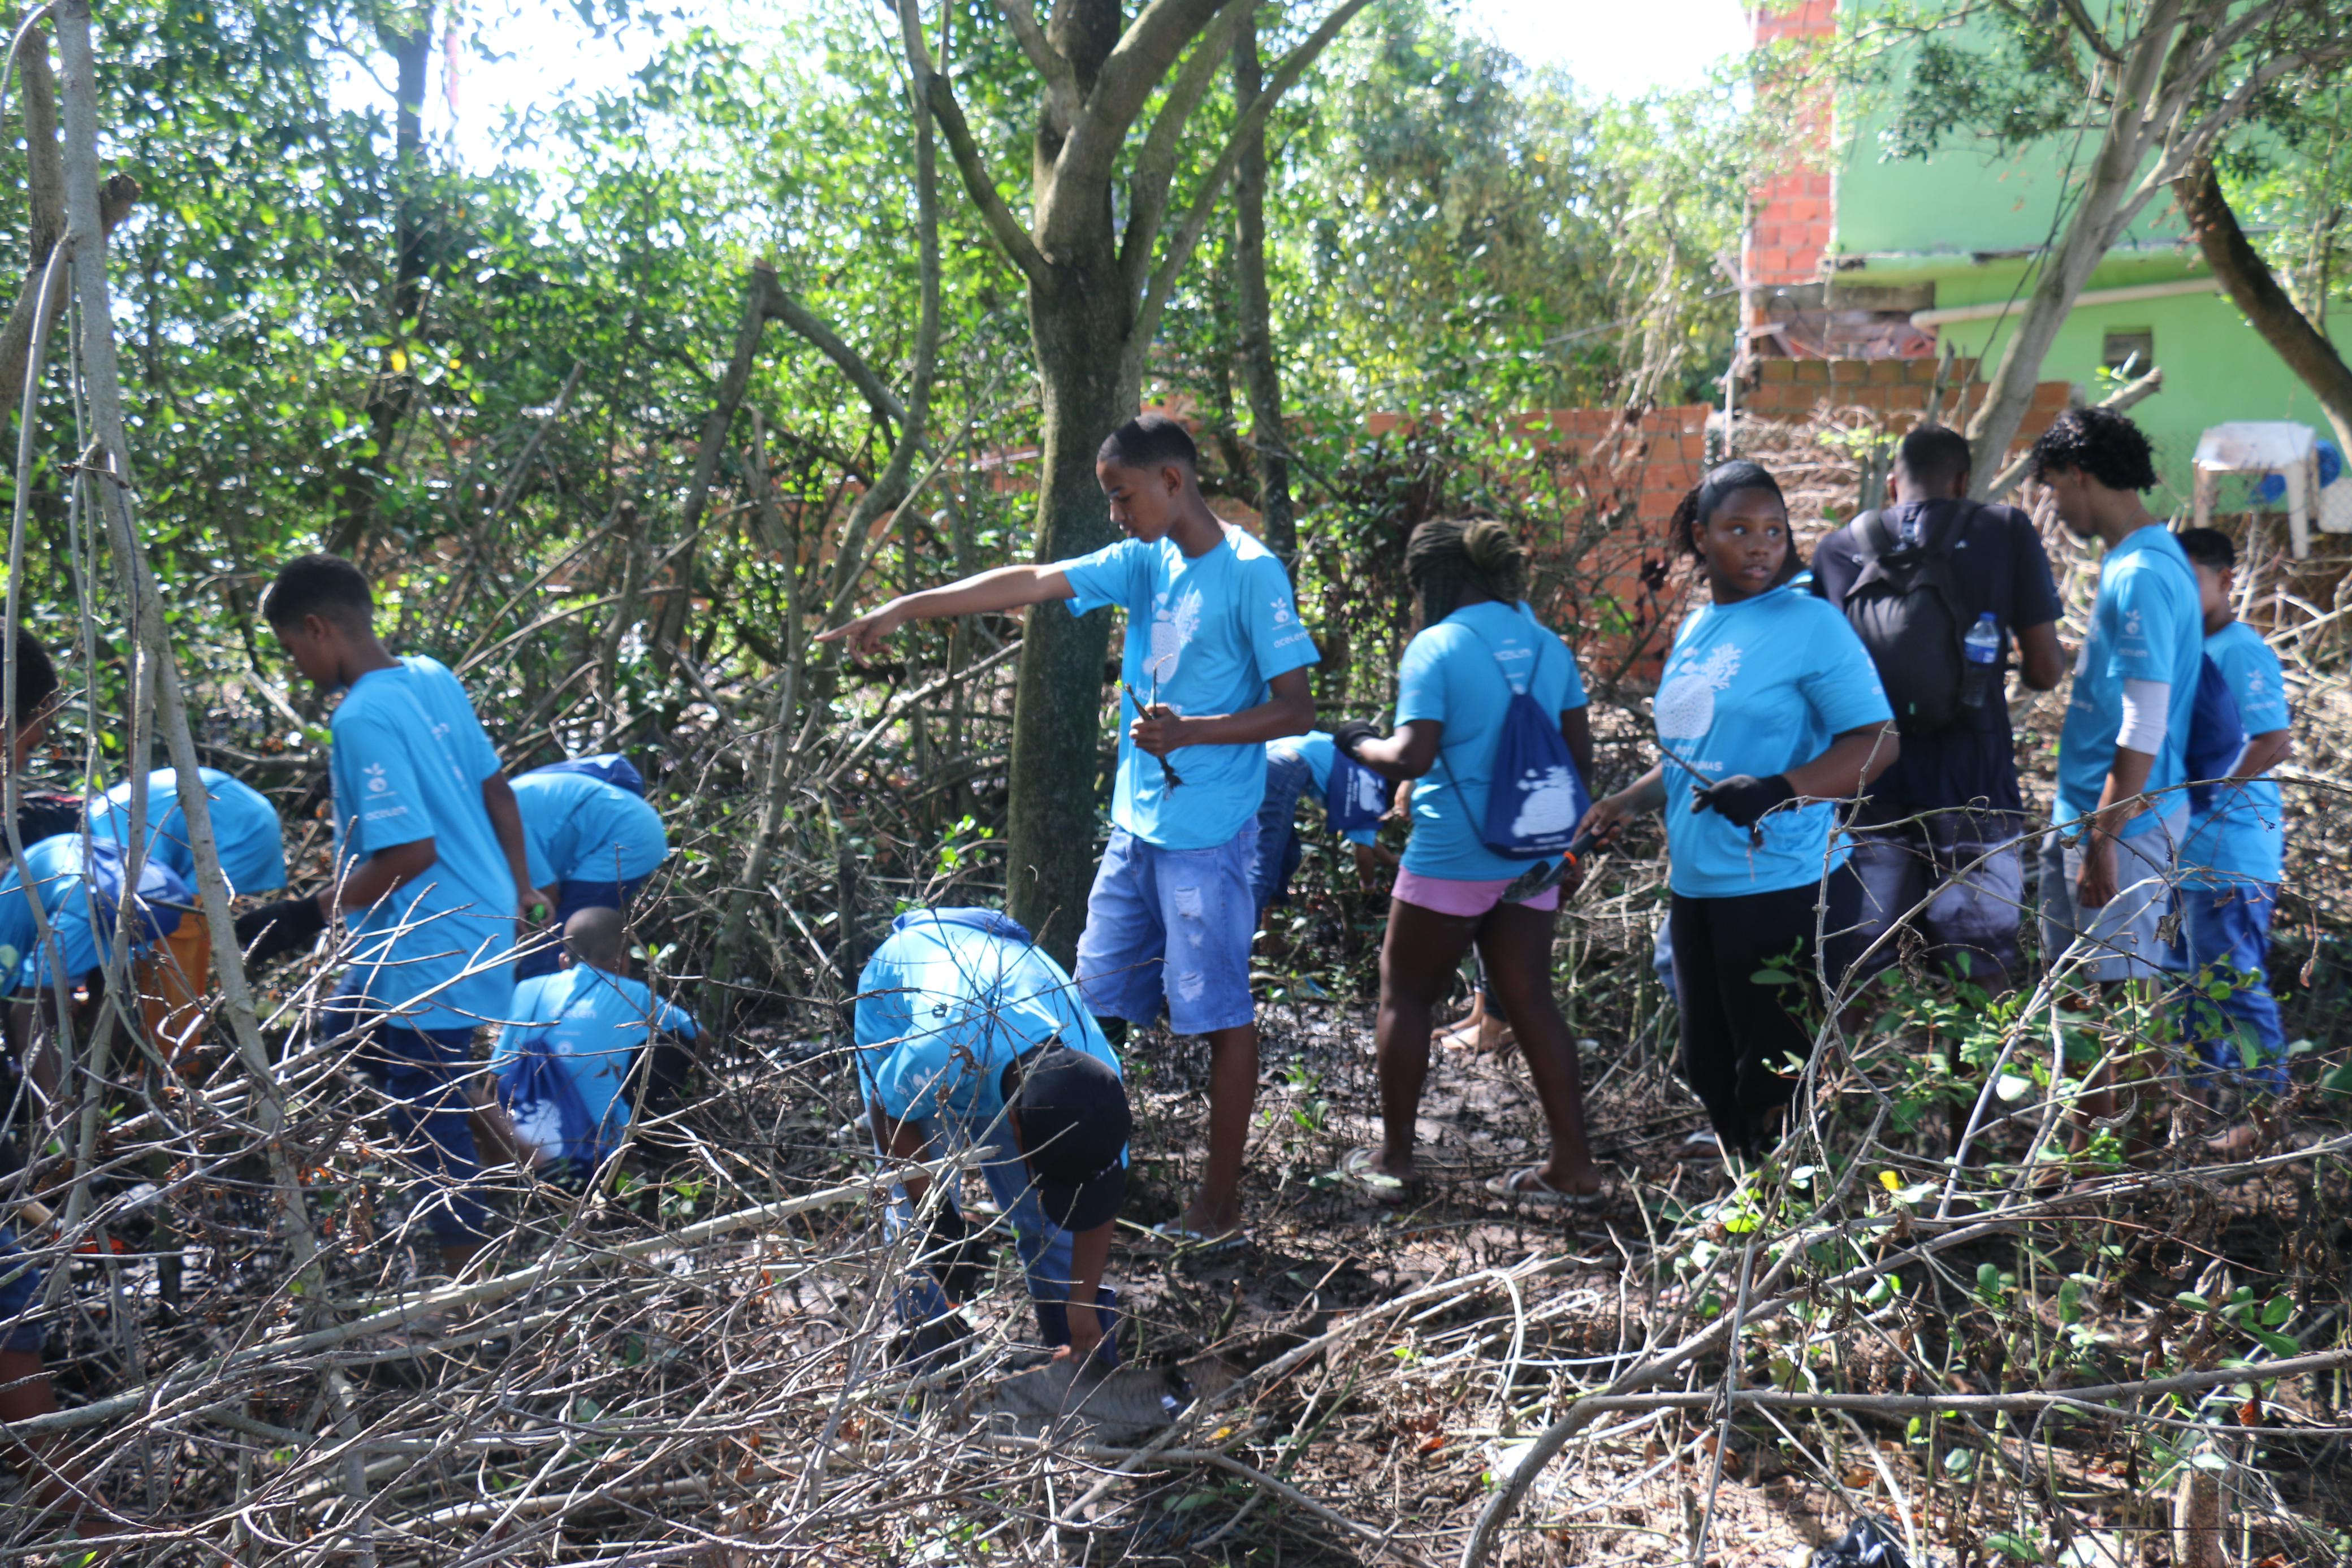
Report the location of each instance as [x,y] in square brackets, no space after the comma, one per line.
[82,919]
[245,826]
[409,761]
[2242,836]
[1315,748]
[1461,672]
[944,1008]
[1207,633]
[576,828]
[595,1025]
[1758,688]
[2146,626]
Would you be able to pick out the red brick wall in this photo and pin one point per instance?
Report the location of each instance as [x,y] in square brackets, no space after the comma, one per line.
[1793,212]
[1890,389]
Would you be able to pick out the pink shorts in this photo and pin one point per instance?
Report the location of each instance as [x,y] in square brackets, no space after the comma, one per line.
[1469,900]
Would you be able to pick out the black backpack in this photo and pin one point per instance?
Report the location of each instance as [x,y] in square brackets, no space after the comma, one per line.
[1906,607]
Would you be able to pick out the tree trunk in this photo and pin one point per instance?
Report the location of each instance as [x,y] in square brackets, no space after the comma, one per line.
[394,387]
[1260,376]
[2099,217]
[2255,290]
[1079,327]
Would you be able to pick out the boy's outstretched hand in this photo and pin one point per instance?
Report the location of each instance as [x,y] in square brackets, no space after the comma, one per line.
[865,633]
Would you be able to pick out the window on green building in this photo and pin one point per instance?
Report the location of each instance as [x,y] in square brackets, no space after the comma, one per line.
[2128,351]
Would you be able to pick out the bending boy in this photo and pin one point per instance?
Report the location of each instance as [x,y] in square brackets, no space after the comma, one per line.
[429,875]
[967,1034]
[606,1037]
[1214,640]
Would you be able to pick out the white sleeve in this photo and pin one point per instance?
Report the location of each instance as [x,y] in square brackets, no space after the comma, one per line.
[2148,707]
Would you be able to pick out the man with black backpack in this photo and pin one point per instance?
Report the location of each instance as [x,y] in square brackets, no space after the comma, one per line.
[1939,587]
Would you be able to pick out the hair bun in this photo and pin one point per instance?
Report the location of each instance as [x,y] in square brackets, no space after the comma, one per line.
[1492,548]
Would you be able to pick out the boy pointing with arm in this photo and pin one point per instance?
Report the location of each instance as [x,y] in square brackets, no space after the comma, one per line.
[1213,637]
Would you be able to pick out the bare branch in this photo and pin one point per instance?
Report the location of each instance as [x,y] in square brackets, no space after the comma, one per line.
[782,306]
[1135,68]
[1061,77]
[1155,166]
[981,185]
[1204,201]
[2089,29]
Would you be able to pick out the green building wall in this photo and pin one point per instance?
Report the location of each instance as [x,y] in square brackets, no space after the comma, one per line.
[1960,222]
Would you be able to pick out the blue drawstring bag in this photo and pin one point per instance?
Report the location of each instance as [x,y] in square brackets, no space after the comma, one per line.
[1354,797]
[2217,735]
[610,766]
[544,1104]
[157,907]
[1535,797]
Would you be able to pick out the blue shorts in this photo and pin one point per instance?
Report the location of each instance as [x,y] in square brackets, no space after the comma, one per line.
[1170,925]
[20,1331]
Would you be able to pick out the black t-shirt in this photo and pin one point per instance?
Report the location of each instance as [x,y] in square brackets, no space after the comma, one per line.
[1998,565]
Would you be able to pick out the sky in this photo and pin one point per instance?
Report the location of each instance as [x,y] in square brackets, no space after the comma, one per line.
[1608,47]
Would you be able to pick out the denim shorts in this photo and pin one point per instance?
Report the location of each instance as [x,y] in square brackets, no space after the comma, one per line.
[1170,925]
[1958,878]
[2119,940]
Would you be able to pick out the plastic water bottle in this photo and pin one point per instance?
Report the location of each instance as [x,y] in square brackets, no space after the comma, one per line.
[1982,647]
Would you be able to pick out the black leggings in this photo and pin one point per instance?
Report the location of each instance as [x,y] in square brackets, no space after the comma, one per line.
[1738,1032]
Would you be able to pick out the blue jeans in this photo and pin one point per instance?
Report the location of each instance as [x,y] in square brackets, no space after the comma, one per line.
[421,1073]
[545,954]
[1278,848]
[1044,1247]
[1170,925]
[2225,942]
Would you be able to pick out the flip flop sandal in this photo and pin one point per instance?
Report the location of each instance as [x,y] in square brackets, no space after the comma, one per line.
[1360,1168]
[1539,1192]
[1192,1243]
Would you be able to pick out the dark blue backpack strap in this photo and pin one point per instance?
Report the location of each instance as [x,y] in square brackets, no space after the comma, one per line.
[995,922]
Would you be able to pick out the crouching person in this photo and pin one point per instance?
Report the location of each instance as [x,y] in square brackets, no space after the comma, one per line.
[593,1050]
[969,1035]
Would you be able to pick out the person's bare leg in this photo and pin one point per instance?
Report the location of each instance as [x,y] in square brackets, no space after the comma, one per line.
[1217,1207]
[1516,942]
[1418,959]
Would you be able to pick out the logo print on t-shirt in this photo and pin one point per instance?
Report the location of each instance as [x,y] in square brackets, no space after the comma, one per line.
[1282,612]
[1685,706]
[1550,802]
[376,779]
[1171,632]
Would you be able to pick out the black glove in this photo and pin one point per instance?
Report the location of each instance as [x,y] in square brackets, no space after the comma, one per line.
[1352,733]
[957,1254]
[1742,799]
[274,930]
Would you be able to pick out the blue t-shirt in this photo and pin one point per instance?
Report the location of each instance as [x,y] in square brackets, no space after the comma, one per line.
[1758,688]
[943,1009]
[1316,749]
[577,828]
[1460,673]
[2146,626]
[2242,836]
[80,921]
[594,1025]
[245,826]
[1206,633]
[409,761]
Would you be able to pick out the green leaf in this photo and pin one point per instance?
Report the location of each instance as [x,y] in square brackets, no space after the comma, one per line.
[1959,1461]
[2276,1310]
[1988,1281]
[1772,978]
[2194,1302]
